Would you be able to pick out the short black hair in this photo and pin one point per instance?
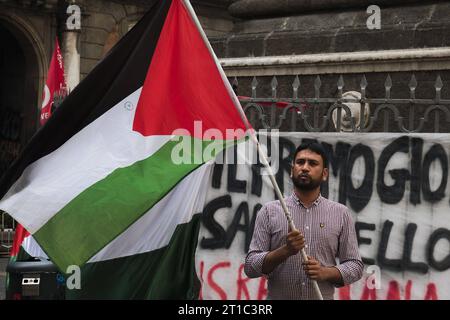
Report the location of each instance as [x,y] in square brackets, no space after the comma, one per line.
[314,147]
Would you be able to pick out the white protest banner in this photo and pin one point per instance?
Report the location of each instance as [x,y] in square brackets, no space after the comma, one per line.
[394,184]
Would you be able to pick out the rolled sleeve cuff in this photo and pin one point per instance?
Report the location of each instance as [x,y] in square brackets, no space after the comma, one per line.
[351,271]
[254,265]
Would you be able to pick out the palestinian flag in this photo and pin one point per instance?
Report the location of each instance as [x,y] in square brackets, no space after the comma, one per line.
[98,185]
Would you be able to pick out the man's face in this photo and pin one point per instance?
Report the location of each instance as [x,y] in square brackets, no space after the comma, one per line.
[307,171]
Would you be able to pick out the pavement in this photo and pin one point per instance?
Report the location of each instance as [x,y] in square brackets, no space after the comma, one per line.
[3,263]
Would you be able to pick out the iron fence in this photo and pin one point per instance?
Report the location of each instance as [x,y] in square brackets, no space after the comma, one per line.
[348,111]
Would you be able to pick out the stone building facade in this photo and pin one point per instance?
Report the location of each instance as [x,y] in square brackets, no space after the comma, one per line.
[325,38]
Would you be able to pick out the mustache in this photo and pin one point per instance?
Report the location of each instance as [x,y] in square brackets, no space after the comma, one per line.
[304,175]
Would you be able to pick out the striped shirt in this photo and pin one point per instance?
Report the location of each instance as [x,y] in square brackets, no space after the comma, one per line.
[329,234]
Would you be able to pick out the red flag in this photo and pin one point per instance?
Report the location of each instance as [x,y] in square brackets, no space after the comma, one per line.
[55,83]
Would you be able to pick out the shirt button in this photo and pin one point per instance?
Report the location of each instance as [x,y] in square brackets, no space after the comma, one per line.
[307,210]
[303,283]
[306,227]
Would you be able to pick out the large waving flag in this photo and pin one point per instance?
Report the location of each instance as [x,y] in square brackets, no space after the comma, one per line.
[97,186]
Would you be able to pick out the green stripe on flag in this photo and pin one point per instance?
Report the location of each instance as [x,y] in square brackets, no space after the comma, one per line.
[104,210]
[166,273]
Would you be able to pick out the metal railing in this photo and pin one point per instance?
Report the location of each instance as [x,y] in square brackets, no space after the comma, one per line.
[351,111]
[7,227]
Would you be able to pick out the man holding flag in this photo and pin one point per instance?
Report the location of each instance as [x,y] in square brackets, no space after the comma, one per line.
[327,231]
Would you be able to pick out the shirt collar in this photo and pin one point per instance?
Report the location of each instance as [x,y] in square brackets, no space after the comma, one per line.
[297,200]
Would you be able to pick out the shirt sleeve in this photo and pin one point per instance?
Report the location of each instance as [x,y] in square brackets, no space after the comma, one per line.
[350,263]
[259,246]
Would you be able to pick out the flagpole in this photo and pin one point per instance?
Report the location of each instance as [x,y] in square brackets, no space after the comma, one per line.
[262,156]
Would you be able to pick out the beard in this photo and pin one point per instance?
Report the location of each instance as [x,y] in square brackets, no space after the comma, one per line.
[304,182]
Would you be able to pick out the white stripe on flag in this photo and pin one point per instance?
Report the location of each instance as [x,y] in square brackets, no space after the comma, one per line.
[156,227]
[103,146]
[30,245]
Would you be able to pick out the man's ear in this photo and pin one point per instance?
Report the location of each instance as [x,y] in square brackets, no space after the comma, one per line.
[292,171]
[325,174]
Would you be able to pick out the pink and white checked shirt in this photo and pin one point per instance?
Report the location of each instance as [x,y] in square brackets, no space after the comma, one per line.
[329,234]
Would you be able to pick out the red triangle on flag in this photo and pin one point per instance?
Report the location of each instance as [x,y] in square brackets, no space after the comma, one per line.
[183,84]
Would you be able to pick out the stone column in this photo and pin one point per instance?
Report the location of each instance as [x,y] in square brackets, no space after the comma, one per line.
[70,46]
[71,56]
